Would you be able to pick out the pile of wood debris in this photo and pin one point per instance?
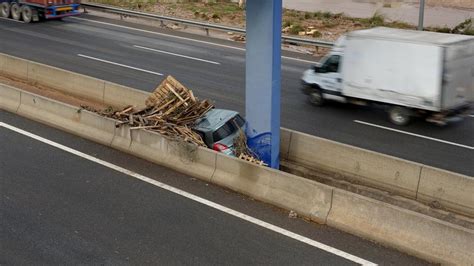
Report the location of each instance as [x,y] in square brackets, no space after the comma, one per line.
[171,110]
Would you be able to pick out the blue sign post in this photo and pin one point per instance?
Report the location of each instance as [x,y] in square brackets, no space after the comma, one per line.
[263,79]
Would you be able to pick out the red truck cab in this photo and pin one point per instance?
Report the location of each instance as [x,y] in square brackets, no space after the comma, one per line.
[35,10]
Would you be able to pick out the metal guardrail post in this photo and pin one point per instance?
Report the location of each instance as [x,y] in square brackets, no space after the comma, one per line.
[421,17]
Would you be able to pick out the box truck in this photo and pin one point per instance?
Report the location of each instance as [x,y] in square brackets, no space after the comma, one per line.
[34,10]
[411,73]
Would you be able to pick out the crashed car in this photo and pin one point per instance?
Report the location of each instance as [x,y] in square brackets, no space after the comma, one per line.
[219,128]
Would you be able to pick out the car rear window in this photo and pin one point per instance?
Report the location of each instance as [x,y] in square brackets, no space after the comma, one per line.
[228,128]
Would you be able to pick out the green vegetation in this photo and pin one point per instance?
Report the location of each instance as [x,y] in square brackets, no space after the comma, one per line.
[317,34]
[287,23]
[466,28]
[375,21]
[296,28]
[323,15]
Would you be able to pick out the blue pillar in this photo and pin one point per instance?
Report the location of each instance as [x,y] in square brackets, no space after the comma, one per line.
[263,78]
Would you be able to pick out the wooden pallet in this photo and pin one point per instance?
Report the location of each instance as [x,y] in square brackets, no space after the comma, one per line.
[251,159]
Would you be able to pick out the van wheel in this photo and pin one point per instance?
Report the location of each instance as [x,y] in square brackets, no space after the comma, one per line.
[316,98]
[27,14]
[400,116]
[15,11]
[4,10]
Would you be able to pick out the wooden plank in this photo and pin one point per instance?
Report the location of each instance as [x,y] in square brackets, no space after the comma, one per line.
[175,93]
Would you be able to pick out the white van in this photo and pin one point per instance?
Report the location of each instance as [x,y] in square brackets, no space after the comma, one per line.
[413,73]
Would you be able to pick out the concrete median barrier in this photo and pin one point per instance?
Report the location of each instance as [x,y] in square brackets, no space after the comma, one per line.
[14,66]
[452,191]
[285,139]
[2,62]
[149,146]
[183,157]
[122,138]
[306,197]
[66,81]
[408,231]
[9,98]
[121,96]
[66,117]
[88,87]
[50,76]
[191,159]
[367,167]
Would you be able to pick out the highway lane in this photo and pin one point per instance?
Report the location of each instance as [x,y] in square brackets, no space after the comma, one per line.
[63,205]
[60,43]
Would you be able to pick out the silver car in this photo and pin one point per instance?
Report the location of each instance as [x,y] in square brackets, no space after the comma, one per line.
[219,128]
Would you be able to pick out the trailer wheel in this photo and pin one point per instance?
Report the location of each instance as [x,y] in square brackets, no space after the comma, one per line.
[400,116]
[27,14]
[15,11]
[4,10]
[316,98]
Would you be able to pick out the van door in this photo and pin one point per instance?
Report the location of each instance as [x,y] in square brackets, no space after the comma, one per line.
[330,77]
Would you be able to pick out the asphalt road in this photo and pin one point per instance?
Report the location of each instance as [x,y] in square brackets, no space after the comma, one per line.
[136,56]
[59,207]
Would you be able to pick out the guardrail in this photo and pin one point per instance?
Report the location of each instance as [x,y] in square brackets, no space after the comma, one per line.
[204,25]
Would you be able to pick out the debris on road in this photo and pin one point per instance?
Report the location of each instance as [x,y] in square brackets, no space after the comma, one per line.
[245,153]
[251,159]
[171,110]
[293,215]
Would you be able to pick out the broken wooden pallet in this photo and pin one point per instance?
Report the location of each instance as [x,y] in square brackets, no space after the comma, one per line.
[251,159]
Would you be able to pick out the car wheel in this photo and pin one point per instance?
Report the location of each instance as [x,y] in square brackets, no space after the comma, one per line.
[4,10]
[15,11]
[316,98]
[400,116]
[27,14]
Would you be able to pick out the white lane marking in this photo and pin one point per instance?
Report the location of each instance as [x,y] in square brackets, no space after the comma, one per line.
[121,65]
[471,116]
[178,55]
[415,135]
[193,197]
[184,38]
[300,60]
[17,21]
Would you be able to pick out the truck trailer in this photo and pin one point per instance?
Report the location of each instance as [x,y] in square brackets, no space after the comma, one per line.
[412,73]
[35,10]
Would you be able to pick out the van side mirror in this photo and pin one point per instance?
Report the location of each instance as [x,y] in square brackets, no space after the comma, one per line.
[317,69]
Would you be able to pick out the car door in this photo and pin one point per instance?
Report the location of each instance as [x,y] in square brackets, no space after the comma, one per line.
[330,77]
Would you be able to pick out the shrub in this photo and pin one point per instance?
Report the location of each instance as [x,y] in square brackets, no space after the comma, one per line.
[295,29]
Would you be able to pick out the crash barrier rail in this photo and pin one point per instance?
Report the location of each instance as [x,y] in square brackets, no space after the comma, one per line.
[423,183]
[204,25]
[409,231]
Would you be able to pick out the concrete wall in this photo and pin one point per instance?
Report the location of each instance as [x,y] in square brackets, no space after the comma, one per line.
[424,183]
[72,83]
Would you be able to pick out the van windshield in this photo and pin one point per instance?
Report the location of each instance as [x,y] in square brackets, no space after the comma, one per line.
[229,128]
